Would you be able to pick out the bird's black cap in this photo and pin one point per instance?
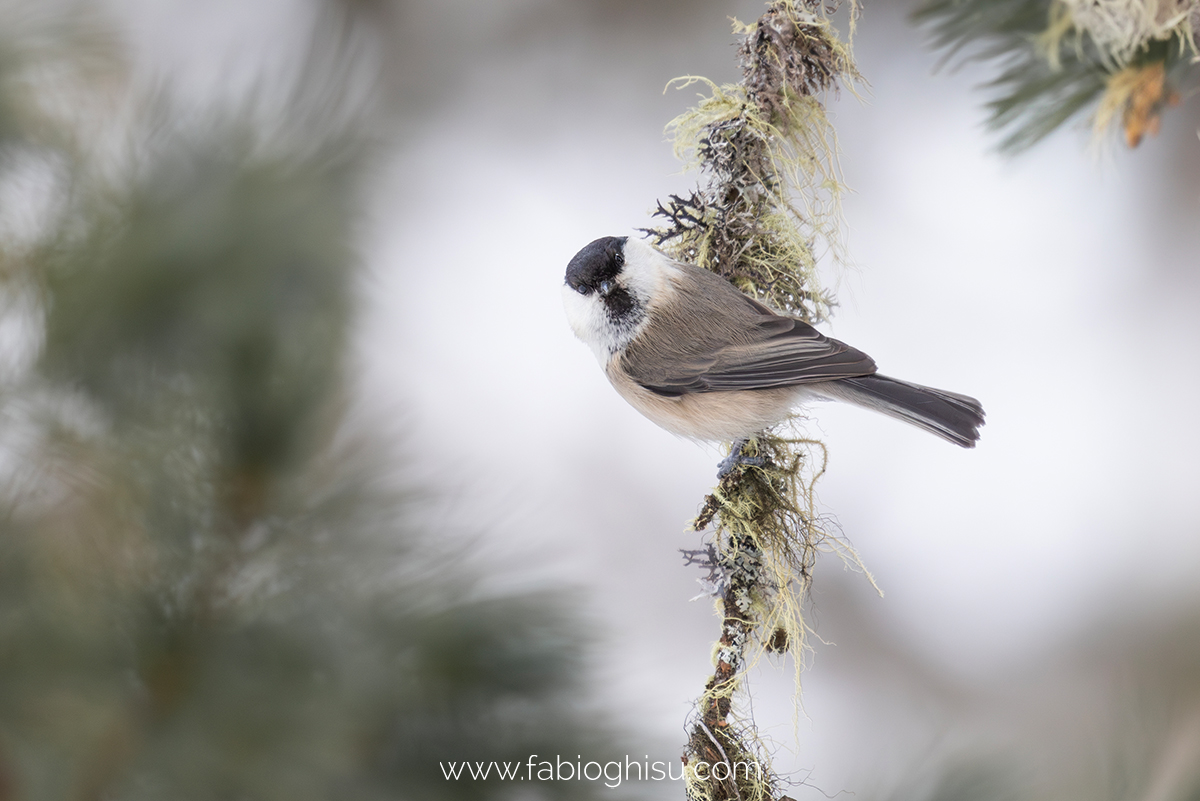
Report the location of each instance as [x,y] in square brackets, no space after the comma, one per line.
[599,260]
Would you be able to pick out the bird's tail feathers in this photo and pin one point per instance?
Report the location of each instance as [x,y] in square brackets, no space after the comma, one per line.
[951,416]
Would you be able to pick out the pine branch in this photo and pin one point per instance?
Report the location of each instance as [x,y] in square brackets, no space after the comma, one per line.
[208,588]
[1054,62]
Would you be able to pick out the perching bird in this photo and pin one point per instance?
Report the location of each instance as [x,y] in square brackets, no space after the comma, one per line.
[702,360]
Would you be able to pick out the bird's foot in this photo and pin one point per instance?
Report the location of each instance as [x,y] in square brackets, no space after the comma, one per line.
[736,458]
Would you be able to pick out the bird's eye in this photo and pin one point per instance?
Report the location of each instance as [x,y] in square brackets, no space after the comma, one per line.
[606,287]
[582,289]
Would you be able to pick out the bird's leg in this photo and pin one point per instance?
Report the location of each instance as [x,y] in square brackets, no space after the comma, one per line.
[736,457]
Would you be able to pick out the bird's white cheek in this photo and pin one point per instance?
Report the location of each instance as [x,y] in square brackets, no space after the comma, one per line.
[588,321]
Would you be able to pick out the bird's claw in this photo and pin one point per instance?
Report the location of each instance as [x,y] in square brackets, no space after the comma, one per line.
[736,458]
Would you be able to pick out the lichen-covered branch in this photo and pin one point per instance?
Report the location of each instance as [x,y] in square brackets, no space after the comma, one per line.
[770,158]
[765,214]
[760,563]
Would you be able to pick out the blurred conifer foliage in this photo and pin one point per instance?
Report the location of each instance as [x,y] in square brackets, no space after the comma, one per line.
[208,590]
[1124,61]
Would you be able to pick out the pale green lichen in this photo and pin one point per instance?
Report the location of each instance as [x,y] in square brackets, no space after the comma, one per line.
[771,199]
[774,187]
[771,511]
[1124,28]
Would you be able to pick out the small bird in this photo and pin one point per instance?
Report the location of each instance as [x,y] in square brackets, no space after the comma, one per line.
[706,362]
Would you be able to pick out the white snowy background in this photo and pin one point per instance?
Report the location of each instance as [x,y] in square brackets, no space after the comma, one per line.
[1059,289]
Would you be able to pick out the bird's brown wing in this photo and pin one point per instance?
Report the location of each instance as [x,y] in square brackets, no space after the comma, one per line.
[772,351]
